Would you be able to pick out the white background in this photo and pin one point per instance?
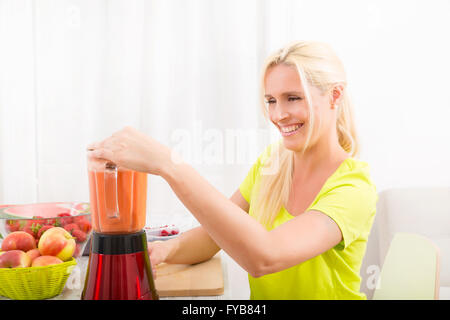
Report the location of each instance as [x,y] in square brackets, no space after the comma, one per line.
[73,72]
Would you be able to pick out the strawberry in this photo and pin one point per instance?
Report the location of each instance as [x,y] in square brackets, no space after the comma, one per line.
[66,218]
[164,233]
[79,235]
[39,219]
[64,214]
[77,219]
[53,222]
[32,227]
[71,227]
[84,225]
[37,223]
[29,230]
[174,232]
[77,250]
[43,229]
[13,225]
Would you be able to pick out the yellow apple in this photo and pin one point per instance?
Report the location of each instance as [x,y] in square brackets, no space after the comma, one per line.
[14,259]
[45,261]
[57,242]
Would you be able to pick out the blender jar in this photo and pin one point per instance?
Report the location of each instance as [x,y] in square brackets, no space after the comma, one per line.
[118,197]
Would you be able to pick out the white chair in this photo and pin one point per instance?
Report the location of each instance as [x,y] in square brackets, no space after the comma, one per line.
[422,211]
[410,270]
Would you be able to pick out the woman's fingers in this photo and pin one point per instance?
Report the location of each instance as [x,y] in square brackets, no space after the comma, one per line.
[102,154]
[107,149]
[155,253]
[154,273]
[153,260]
[132,149]
[93,146]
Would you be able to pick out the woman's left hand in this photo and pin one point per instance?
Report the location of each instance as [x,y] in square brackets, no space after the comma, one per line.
[133,150]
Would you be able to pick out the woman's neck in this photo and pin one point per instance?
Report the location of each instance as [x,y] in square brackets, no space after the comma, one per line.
[322,155]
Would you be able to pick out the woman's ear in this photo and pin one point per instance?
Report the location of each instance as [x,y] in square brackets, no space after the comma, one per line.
[336,95]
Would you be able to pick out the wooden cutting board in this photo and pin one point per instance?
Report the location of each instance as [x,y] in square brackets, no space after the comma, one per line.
[182,280]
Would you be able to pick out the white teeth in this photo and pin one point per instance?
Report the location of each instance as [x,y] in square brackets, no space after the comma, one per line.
[290,128]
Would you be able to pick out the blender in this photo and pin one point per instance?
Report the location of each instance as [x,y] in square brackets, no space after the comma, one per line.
[119,265]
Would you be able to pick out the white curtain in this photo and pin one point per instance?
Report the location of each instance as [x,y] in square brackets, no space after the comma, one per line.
[187,73]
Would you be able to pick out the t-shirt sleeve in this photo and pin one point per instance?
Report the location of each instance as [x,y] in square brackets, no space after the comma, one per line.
[351,203]
[246,186]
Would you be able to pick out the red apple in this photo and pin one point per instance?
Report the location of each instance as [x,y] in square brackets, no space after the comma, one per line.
[14,259]
[18,240]
[45,261]
[57,242]
[33,254]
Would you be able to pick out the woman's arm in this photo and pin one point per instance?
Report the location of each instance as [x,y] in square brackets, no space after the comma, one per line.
[193,246]
[254,248]
[196,245]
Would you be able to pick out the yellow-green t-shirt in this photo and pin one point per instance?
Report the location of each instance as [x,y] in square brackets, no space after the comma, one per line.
[348,197]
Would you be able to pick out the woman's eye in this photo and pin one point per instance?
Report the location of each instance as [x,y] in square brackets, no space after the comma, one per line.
[272,101]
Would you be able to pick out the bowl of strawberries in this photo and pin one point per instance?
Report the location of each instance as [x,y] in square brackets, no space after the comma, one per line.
[162,233]
[35,219]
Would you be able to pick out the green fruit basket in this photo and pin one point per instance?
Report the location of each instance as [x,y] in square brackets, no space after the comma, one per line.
[35,283]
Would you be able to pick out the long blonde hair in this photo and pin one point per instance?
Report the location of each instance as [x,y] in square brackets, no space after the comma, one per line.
[318,65]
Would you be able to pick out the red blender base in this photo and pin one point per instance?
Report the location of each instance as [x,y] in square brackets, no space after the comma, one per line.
[119,268]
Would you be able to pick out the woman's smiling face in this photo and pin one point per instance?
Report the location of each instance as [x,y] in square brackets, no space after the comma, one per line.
[288,109]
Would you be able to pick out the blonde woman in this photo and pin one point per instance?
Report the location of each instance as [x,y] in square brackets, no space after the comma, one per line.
[299,229]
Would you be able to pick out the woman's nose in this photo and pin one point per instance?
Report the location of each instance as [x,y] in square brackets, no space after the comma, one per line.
[280,113]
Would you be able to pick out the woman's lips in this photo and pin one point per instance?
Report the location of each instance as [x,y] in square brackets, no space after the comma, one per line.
[290,130]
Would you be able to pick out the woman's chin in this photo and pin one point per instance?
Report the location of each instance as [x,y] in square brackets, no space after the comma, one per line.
[293,144]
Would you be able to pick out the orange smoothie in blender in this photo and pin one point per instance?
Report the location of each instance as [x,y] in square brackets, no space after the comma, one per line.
[118,200]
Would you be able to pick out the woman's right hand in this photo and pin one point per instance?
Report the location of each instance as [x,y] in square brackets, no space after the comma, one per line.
[158,252]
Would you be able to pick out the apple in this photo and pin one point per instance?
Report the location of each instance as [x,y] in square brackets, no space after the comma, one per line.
[33,254]
[57,242]
[19,240]
[14,259]
[46,261]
